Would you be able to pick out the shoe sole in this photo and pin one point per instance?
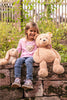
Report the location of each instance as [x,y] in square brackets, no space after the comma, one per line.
[27,87]
[15,86]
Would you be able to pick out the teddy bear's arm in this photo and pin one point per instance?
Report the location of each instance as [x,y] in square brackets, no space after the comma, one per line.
[57,54]
[36,56]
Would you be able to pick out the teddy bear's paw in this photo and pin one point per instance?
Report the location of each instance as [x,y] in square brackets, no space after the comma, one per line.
[43,73]
[58,69]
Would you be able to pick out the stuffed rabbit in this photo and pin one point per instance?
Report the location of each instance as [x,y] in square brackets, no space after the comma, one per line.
[10,57]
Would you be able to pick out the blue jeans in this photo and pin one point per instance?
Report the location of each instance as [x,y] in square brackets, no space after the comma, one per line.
[29,65]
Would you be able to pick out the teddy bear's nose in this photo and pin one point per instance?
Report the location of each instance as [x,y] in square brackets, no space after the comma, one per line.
[44,40]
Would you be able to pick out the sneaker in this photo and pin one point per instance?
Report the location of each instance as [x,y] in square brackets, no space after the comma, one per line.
[28,84]
[16,83]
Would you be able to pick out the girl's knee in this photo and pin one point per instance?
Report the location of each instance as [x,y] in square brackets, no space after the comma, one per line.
[29,60]
[18,62]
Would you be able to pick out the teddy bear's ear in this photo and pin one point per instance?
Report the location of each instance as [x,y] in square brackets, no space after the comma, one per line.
[7,55]
[49,33]
[36,36]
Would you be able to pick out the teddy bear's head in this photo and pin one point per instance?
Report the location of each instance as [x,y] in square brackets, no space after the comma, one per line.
[43,40]
[12,52]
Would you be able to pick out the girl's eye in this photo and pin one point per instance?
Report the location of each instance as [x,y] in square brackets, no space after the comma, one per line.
[34,31]
[40,38]
[30,30]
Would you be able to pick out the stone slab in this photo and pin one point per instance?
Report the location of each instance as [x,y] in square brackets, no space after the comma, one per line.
[64,97]
[37,91]
[9,94]
[55,87]
[4,77]
[7,66]
[48,98]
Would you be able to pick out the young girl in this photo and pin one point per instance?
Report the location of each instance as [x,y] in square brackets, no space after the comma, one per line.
[27,48]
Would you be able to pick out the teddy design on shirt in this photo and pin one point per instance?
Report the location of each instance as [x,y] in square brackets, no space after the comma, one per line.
[30,47]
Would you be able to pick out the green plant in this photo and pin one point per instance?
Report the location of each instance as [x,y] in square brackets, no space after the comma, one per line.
[9,37]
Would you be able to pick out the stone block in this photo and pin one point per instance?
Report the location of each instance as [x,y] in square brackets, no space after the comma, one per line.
[37,91]
[4,77]
[11,94]
[12,75]
[7,66]
[48,98]
[64,97]
[55,87]
[57,77]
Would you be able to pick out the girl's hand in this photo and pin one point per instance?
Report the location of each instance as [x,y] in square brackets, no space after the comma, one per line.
[35,36]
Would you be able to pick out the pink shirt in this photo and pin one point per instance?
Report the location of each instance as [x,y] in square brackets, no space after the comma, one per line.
[26,48]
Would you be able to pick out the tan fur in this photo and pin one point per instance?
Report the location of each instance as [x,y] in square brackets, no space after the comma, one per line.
[10,57]
[44,55]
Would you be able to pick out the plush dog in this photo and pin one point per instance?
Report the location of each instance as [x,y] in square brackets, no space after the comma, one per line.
[45,54]
[10,57]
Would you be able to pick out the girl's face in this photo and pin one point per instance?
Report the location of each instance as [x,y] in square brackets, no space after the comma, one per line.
[31,33]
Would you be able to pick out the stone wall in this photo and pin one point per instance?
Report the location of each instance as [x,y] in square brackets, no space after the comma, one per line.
[53,87]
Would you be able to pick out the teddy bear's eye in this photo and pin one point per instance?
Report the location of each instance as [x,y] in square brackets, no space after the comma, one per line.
[40,38]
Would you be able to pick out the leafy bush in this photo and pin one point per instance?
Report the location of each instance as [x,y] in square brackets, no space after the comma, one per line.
[9,37]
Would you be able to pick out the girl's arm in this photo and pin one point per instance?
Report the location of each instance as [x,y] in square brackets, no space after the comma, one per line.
[19,47]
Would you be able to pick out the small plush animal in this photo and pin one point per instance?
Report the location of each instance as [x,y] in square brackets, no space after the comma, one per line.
[46,54]
[10,57]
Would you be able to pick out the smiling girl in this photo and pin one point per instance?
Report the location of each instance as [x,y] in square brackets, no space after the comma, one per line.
[27,48]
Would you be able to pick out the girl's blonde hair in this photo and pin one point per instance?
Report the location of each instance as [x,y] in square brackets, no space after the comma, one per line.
[31,25]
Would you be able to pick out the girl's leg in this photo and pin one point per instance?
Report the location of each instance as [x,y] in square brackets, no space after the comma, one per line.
[29,65]
[29,77]
[17,67]
[17,70]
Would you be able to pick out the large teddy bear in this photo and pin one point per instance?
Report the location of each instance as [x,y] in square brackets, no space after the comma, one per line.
[10,57]
[46,54]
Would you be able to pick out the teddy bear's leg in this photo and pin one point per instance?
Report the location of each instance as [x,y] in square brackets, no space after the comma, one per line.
[3,61]
[43,72]
[57,68]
